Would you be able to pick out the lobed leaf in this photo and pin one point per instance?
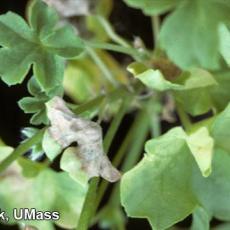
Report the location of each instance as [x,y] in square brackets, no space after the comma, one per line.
[213,191]
[154,7]
[190,34]
[39,44]
[44,190]
[36,104]
[192,89]
[220,129]
[167,196]
[225,42]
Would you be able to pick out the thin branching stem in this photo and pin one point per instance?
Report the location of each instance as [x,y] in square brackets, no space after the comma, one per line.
[21,149]
[184,118]
[102,66]
[137,134]
[135,53]
[89,203]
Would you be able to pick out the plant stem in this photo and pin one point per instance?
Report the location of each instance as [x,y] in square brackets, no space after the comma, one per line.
[138,140]
[88,105]
[109,76]
[155,28]
[21,149]
[125,50]
[184,118]
[111,33]
[89,203]
[137,133]
[113,95]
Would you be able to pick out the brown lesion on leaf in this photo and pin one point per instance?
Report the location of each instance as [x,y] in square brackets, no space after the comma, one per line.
[67,128]
[167,68]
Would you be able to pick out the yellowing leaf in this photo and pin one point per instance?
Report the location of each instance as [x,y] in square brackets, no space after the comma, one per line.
[201,146]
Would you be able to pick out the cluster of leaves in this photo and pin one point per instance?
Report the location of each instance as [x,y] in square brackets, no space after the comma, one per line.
[39,187]
[183,172]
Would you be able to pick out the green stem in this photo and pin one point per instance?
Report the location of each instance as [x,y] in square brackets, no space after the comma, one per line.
[89,203]
[117,160]
[104,69]
[138,140]
[116,48]
[88,105]
[113,95]
[155,28]
[21,149]
[111,33]
[116,122]
[137,133]
[154,114]
[184,118]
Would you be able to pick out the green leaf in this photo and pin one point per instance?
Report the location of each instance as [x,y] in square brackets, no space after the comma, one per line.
[36,45]
[31,104]
[213,191]
[30,168]
[196,97]
[36,104]
[192,89]
[46,191]
[153,7]
[5,151]
[166,195]
[190,35]
[50,146]
[225,42]
[220,129]
[201,146]
[71,163]
[220,93]
[155,80]
[64,42]
[200,219]
[41,18]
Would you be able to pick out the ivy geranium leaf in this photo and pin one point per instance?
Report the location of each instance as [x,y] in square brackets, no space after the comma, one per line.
[220,93]
[170,193]
[153,7]
[213,191]
[192,89]
[40,44]
[45,191]
[201,145]
[72,164]
[220,129]
[155,188]
[225,42]
[36,104]
[190,34]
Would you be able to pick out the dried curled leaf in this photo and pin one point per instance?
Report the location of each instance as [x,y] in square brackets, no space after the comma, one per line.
[69,8]
[67,128]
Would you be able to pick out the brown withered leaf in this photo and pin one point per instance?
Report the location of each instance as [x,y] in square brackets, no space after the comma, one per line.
[69,8]
[66,128]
